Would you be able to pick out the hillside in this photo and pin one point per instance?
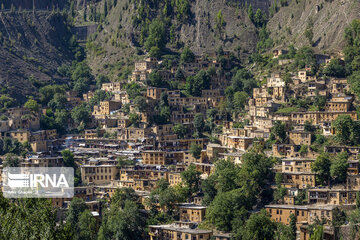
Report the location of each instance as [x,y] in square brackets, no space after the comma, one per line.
[115,44]
[327,20]
[29,4]
[31,45]
[38,45]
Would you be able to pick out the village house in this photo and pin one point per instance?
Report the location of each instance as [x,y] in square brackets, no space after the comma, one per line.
[133,133]
[339,86]
[106,107]
[353,152]
[155,93]
[299,137]
[72,98]
[236,142]
[190,212]
[98,174]
[332,196]
[122,97]
[111,87]
[296,165]
[178,232]
[279,52]
[339,104]
[154,157]
[174,178]
[318,117]
[300,180]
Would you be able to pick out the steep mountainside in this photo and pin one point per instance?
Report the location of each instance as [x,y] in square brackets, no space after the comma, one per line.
[327,19]
[28,4]
[199,31]
[38,44]
[31,45]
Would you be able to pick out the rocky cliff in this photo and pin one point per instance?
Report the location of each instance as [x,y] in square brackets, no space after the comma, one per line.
[32,48]
[327,19]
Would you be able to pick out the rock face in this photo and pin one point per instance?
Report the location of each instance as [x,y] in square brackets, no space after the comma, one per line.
[199,33]
[329,19]
[31,45]
[39,4]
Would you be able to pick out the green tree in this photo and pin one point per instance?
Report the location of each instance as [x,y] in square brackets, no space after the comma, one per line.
[125,223]
[339,167]
[155,79]
[243,81]
[77,207]
[293,226]
[264,43]
[80,114]
[320,102]
[48,92]
[309,34]
[321,167]
[157,35]
[304,149]
[81,75]
[87,226]
[259,226]
[357,200]
[279,194]
[283,232]
[308,126]
[354,81]
[343,125]
[68,158]
[134,119]
[29,219]
[279,130]
[6,102]
[183,12]
[279,178]
[101,78]
[305,56]
[195,84]
[209,190]
[58,102]
[11,160]
[255,172]
[122,195]
[259,18]
[155,52]
[195,150]
[187,56]
[199,123]
[240,100]
[140,103]
[180,130]
[226,174]
[32,105]
[219,21]
[339,218]
[335,69]
[133,90]
[179,75]
[224,207]
[191,177]
[318,233]
[251,12]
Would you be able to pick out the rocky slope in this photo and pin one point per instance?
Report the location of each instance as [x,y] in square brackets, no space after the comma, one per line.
[329,19]
[28,4]
[31,45]
[199,32]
